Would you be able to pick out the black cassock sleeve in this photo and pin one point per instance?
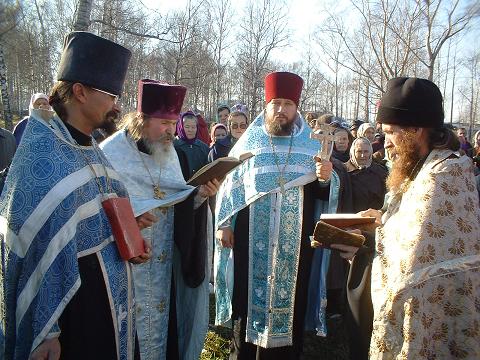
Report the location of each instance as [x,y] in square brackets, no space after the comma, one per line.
[190,234]
[360,309]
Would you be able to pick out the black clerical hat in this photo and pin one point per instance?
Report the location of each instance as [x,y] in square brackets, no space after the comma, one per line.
[93,61]
[413,102]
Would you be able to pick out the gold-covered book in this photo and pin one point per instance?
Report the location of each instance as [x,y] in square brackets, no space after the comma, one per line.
[346,220]
[325,235]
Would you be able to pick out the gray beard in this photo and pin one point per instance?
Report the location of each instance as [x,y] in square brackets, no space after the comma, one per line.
[163,154]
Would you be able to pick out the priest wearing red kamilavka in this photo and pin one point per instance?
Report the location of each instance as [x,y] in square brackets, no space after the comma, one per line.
[266,210]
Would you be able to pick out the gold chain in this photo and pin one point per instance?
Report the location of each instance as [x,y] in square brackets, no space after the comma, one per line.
[157,192]
[97,179]
[281,180]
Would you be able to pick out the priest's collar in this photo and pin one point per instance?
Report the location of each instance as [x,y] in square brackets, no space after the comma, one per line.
[78,136]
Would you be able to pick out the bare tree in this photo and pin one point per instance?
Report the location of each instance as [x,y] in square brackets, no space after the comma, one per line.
[44,46]
[262,29]
[185,34]
[221,25]
[8,21]
[471,89]
[382,47]
[438,31]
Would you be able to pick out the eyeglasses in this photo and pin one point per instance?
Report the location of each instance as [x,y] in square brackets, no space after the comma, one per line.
[236,126]
[115,97]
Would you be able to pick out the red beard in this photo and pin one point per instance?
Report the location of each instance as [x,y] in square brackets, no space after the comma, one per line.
[406,155]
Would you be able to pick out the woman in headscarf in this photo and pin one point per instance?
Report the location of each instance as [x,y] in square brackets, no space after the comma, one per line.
[221,144]
[202,134]
[195,151]
[342,144]
[38,102]
[367,181]
[366,130]
[476,152]
[367,178]
[237,124]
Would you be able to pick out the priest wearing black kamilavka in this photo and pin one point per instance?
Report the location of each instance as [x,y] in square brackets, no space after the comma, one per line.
[68,293]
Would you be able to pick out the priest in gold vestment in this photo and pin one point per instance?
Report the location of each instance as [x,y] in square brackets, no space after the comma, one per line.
[425,274]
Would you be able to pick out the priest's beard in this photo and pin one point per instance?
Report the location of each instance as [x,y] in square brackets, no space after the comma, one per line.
[163,153]
[277,128]
[405,159]
[109,124]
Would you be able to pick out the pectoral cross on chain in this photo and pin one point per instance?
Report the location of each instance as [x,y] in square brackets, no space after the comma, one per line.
[281,182]
[324,134]
[157,193]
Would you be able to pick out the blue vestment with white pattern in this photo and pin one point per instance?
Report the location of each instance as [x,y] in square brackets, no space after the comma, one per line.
[51,215]
[275,232]
[153,278]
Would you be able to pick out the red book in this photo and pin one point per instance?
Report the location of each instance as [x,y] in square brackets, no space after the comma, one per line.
[124,227]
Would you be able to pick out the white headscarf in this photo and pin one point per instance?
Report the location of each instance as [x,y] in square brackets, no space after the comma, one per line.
[34,98]
[474,140]
[45,114]
[353,156]
[362,128]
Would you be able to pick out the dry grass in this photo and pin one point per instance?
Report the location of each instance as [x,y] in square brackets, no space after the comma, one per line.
[333,347]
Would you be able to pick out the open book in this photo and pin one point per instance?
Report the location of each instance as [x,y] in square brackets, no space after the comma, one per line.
[346,220]
[325,234]
[217,169]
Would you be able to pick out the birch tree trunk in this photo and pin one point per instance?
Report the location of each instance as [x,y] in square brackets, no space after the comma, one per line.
[82,19]
[45,47]
[7,113]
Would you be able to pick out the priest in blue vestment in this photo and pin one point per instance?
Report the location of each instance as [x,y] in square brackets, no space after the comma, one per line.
[172,291]
[269,281]
[65,289]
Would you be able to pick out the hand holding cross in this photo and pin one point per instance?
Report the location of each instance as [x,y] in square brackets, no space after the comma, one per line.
[324,134]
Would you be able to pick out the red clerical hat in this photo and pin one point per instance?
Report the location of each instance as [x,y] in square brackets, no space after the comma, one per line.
[283,85]
[159,99]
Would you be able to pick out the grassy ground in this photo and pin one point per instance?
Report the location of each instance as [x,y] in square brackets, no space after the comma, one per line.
[333,347]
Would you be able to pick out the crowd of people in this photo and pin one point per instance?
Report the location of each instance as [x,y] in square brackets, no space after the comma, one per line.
[411,291]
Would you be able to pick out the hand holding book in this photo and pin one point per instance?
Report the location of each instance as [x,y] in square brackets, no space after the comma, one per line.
[217,169]
[326,235]
[125,230]
[346,251]
[210,188]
